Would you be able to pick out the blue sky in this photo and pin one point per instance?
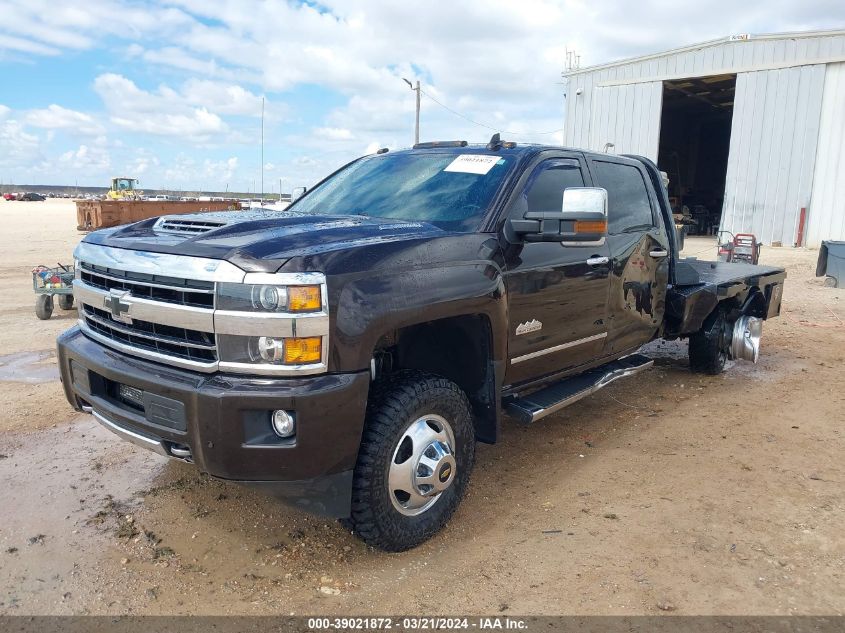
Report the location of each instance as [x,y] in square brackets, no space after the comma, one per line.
[170,91]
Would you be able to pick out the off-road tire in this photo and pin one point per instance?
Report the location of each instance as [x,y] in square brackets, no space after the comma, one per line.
[394,404]
[708,348]
[44,307]
[66,302]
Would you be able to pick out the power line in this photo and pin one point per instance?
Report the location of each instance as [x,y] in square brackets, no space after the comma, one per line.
[489,127]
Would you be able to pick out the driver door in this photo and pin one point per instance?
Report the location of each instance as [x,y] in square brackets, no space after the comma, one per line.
[557,294]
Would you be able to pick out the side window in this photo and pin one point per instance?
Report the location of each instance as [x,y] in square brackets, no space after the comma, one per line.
[544,191]
[628,206]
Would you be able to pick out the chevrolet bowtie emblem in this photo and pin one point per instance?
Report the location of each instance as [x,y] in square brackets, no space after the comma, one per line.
[118,306]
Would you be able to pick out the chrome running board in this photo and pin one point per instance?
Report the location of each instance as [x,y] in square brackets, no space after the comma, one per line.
[553,398]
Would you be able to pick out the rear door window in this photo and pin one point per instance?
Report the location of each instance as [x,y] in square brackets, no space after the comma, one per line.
[628,205]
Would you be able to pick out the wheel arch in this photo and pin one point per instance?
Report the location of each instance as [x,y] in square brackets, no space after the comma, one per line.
[460,348]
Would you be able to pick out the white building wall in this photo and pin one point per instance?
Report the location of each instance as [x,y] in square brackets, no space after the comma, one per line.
[826,215]
[760,52]
[775,133]
[626,116]
[772,155]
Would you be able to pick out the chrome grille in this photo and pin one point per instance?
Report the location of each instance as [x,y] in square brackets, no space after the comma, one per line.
[130,301]
[188,344]
[186,227]
[157,287]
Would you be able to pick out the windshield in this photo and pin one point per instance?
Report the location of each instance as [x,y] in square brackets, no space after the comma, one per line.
[452,191]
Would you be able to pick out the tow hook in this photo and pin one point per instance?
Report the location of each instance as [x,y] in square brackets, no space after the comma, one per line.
[181,452]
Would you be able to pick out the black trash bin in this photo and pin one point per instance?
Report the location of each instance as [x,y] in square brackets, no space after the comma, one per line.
[832,263]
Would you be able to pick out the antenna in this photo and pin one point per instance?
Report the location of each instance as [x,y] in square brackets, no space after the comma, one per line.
[573,60]
[262,147]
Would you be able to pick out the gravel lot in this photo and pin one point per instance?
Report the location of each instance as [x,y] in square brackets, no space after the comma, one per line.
[666,492]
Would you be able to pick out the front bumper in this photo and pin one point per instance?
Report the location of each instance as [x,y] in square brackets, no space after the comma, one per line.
[222,422]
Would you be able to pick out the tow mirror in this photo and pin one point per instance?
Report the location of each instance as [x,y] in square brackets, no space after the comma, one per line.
[582,218]
[297,193]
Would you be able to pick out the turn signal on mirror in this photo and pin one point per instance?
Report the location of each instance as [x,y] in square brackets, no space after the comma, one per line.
[591,226]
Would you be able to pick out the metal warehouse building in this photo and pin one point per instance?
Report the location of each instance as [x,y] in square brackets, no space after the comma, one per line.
[749,128]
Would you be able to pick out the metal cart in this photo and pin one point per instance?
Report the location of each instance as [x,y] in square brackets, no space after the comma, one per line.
[47,282]
[742,247]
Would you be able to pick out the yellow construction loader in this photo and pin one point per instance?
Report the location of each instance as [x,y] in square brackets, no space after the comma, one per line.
[124,189]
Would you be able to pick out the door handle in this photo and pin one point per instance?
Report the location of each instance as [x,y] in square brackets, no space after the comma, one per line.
[597,261]
[658,253]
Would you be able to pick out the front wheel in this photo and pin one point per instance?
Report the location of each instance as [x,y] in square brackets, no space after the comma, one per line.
[66,302]
[415,460]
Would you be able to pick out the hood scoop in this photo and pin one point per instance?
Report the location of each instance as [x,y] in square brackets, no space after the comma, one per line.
[186,226]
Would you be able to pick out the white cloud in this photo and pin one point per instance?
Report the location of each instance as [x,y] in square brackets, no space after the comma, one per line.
[496,62]
[57,117]
[185,172]
[223,98]
[193,112]
[163,113]
[18,148]
[85,157]
[141,165]
[45,27]
[333,133]
[25,45]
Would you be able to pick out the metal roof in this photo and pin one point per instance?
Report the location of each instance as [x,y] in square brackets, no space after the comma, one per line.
[729,39]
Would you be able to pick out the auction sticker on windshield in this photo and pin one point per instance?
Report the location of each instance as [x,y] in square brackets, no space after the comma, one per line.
[473,164]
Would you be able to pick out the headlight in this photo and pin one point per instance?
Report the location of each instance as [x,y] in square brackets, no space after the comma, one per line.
[269,298]
[273,324]
[270,349]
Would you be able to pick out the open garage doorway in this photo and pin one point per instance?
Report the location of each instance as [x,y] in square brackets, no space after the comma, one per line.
[695,136]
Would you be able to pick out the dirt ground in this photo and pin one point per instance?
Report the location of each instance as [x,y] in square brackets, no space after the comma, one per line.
[666,492]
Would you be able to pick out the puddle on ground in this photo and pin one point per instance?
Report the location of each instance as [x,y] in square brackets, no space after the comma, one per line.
[667,353]
[674,355]
[32,368]
[56,482]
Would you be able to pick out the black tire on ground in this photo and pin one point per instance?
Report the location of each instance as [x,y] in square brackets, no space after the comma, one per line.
[66,302]
[396,403]
[708,348]
[44,307]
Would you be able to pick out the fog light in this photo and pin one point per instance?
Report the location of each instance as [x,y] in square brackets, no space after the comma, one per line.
[283,423]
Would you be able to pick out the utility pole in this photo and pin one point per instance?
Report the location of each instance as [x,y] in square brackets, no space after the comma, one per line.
[417,121]
[262,147]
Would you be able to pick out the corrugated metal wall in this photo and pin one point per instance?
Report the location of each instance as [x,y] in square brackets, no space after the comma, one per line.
[774,135]
[826,216]
[627,116]
[775,132]
[718,57]
[712,58]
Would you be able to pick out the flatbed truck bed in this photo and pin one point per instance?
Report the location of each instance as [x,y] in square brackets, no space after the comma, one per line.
[706,283]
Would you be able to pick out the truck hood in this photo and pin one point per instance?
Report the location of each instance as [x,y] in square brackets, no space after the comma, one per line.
[259,239]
